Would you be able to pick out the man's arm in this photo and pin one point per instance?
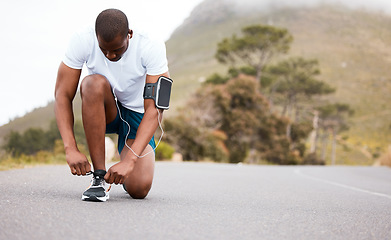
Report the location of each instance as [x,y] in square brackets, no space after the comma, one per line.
[149,123]
[65,90]
[118,172]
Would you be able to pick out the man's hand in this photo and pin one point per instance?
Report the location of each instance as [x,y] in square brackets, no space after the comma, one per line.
[119,171]
[77,162]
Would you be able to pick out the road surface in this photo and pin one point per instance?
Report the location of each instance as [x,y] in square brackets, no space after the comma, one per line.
[203,201]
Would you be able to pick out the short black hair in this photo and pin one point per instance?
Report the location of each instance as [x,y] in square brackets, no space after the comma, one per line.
[110,23]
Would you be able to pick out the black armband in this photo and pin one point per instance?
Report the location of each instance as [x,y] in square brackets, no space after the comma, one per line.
[160,92]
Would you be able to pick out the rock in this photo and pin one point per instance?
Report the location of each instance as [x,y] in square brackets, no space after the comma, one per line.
[110,149]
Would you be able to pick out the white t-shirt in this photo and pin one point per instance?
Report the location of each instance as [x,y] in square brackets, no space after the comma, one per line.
[126,76]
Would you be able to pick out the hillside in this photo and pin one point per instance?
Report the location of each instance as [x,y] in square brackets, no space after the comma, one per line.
[353,48]
[38,118]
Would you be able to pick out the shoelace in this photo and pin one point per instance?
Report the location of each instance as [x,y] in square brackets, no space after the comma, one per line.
[97,180]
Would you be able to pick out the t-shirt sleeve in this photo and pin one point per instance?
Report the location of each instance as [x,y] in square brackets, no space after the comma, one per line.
[77,52]
[154,59]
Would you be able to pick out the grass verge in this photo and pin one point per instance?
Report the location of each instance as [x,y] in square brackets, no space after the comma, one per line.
[8,162]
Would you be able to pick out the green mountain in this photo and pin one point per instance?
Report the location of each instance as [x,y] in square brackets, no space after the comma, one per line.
[353,48]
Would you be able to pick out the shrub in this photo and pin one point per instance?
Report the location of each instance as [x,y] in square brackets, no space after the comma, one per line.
[164,151]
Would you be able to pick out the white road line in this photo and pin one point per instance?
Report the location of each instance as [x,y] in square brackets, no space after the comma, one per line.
[298,172]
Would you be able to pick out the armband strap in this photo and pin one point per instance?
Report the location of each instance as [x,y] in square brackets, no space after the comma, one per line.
[150,91]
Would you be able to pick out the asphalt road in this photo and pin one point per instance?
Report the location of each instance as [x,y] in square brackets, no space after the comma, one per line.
[203,201]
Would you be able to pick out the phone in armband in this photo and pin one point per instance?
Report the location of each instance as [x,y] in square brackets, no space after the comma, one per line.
[160,92]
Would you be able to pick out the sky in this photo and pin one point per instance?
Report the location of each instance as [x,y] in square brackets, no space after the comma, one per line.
[35,35]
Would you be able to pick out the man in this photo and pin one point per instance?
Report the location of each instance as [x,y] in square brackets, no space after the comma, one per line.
[120,62]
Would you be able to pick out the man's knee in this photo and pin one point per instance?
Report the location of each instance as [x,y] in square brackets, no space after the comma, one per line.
[139,192]
[93,84]
[139,195]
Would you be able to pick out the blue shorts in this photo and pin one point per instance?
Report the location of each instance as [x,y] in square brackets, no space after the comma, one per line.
[121,128]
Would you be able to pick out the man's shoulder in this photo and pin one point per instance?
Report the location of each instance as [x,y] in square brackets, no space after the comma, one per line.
[80,47]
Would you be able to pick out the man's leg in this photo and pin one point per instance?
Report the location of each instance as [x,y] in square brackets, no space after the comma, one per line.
[139,182]
[98,109]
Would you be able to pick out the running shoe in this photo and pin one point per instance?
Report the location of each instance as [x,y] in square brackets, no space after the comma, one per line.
[98,191]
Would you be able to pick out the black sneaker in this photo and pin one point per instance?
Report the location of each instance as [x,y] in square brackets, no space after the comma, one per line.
[98,191]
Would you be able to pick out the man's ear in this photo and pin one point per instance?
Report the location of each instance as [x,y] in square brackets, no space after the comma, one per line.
[130,33]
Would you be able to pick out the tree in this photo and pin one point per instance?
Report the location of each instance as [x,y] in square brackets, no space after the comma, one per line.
[194,132]
[295,79]
[333,119]
[34,140]
[242,116]
[256,48]
[216,79]
[52,134]
[30,142]
[13,143]
[231,121]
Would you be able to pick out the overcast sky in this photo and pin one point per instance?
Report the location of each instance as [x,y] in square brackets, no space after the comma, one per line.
[35,34]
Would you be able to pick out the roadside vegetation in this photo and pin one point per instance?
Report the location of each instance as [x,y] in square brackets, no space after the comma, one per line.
[36,146]
[262,110]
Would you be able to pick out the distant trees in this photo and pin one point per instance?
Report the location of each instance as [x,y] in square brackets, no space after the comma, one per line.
[229,122]
[295,81]
[332,120]
[233,118]
[258,45]
[195,130]
[31,141]
[243,108]
[34,140]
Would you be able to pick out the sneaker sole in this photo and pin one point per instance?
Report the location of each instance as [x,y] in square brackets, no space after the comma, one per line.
[95,198]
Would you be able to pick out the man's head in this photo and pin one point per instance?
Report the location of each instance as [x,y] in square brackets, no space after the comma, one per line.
[112,31]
